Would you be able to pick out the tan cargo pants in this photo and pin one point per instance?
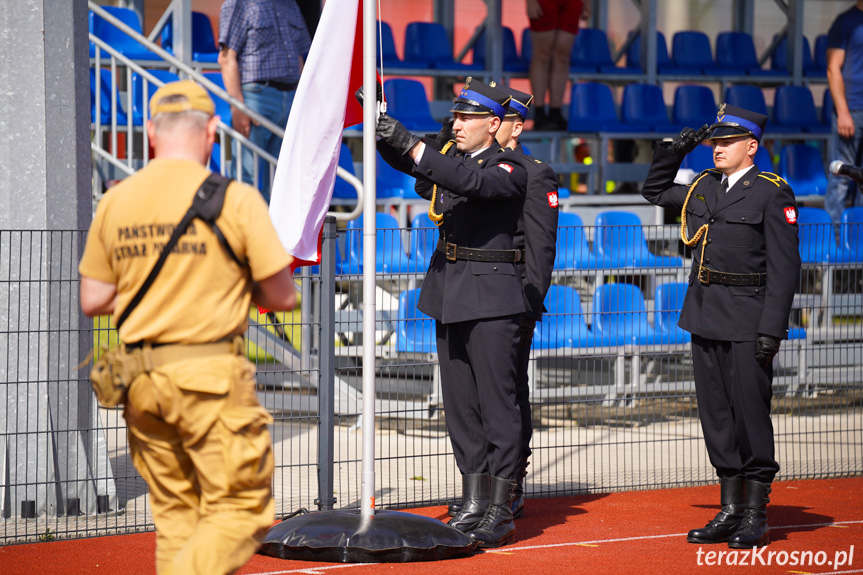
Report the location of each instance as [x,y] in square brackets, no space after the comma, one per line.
[199,437]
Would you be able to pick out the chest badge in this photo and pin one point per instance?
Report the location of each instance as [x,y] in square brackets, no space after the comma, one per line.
[790,214]
[552,199]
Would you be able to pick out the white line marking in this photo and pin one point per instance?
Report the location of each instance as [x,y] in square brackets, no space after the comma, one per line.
[318,570]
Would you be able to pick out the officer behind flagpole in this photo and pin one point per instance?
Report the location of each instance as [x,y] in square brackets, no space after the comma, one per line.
[742,226]
[473,290]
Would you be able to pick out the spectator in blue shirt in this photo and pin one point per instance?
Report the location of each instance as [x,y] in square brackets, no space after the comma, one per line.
[845,77]
[262,47]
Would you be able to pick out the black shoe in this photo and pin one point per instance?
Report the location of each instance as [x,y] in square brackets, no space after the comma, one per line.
[556,121]
[454,507]
[497,527]
[475,488]
[517,504]
[753,530]
[540,120]
[726,522]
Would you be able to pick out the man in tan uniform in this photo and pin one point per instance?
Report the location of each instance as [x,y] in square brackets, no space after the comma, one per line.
[196,431]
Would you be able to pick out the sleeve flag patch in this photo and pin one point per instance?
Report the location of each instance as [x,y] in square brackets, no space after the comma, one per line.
[552,199]
[506,167]
[790,214]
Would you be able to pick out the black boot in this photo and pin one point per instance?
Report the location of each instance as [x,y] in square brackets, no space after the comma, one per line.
[540,120]
[726,521]
[454,507]
[497,528]
[518,493]
[475,488]
[753,530]
[556,121]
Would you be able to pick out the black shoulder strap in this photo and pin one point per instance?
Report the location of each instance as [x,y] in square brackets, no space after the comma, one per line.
[207,205]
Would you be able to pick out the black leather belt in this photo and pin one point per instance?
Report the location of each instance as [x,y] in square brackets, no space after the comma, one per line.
[708,276]
[454,252]
[283,86]
[141,344]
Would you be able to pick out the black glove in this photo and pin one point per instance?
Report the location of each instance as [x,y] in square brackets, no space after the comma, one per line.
[359,94]
[446,133]
[395,134]
[766,346]
[688,140]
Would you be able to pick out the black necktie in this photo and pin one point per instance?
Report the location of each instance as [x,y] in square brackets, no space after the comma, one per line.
[723,187]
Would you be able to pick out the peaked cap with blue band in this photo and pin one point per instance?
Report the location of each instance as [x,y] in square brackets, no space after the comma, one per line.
[733,122]
[520,103]
[479,98]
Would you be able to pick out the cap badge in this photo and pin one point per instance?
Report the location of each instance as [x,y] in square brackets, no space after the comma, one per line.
[721,113]
[492,84]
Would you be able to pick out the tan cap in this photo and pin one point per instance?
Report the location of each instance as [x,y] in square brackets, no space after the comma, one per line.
[197,98]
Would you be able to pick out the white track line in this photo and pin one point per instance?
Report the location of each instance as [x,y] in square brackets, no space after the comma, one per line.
[319,570]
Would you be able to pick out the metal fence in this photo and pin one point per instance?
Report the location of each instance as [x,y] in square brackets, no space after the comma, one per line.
[611,379]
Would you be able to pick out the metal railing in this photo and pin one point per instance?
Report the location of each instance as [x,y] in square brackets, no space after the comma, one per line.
[608,415]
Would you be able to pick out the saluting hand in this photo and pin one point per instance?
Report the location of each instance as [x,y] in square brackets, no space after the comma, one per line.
[766,347]
[688,140]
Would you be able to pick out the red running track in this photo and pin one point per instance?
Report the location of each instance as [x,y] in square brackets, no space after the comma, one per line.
[603,534]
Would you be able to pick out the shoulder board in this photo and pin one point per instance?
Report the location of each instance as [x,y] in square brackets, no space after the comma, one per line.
[535,160]
[712,171]
[772,178]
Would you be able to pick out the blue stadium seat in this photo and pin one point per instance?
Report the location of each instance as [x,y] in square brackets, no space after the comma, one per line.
[620,316]
[690,52]
[747,97]
[512,62]
[802,167]
[664,65]
[106,107]
[423,240]
[699,159]
[572,250]
[415,332]
[428,43]
[779,55]
[591,54]
[817,239]
[763,160]
[619,242]
[643,109]
[668,303]
[204,48]
[526,45]
[117,39]
[408,103]
[392,183]
[388,50]
[852,233]
[140,100]
[591,109]
[694,106]
[390,255]
[341,188]
[794,111]
[346,260]
[563,323]
[223,108]
[735,54]
[819,56]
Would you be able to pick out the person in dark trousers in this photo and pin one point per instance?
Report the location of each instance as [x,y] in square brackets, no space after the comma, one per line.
[473,290]
[537,235]
[742,225]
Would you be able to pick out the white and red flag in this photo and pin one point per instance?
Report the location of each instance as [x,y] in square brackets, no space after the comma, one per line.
[324,104]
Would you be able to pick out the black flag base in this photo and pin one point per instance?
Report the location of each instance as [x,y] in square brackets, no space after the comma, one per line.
[343,536]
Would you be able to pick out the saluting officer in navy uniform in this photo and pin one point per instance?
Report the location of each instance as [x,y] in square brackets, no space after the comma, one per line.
[473,289]
[537,235]
[742,226]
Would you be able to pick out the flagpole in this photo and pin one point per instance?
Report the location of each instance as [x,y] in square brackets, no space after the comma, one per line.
[367,501]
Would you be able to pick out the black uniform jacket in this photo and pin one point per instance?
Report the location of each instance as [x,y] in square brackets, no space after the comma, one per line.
[481,200]
[537,233]
[752,229]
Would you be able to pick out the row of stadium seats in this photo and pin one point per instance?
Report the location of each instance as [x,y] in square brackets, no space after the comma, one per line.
[619,317]
[427,46]
[618,242]
[643,109]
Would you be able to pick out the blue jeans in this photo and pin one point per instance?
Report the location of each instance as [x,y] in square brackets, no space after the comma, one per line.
[275,105]
[842,191]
